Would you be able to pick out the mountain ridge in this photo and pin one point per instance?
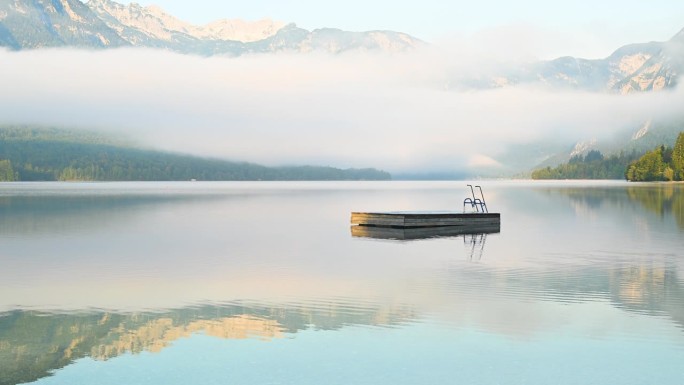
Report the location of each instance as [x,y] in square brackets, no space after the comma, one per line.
[101,24]
[32,24]
[631,68]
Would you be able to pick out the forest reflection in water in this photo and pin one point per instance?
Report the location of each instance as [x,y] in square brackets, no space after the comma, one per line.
[664,199]
[113,273]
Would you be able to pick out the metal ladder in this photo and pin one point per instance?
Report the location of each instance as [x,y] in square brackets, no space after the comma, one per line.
[478,204]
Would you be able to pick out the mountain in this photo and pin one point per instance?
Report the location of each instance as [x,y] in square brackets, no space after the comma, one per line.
[293,39]
[659,71]
[28,24]
[156,23]
[631,68]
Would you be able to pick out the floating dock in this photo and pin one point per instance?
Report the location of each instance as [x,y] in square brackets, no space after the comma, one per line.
[428,224]
[425,219]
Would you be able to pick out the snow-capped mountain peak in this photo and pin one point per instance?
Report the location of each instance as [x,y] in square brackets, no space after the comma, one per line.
[155,22]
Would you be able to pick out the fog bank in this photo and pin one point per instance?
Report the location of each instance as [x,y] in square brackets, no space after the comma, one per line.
[396,112]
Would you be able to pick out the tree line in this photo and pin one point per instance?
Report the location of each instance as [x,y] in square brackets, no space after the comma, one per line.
[55,155]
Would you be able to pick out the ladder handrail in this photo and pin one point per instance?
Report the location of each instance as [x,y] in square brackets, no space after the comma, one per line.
[484,203]
[476,202]
[471,190]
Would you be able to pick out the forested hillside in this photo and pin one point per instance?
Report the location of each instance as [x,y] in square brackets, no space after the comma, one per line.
[661,164]
[38,154]
[594,165]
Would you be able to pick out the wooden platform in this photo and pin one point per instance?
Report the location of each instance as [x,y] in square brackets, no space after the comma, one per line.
[418,219]
[413,233]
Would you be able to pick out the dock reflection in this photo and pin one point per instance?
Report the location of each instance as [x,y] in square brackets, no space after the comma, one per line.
[474,237]
[475,243]
[408,234]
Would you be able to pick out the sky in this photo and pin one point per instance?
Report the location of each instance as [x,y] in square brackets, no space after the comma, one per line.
[584,28]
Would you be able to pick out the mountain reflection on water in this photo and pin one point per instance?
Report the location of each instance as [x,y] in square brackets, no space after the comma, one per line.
[104,271]
[32,343]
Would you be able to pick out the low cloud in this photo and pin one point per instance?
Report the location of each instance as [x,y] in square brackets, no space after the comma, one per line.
[396,112]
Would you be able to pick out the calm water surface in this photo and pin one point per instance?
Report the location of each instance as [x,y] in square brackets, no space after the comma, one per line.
[263,283]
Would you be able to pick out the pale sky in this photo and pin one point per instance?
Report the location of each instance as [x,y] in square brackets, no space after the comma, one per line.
[586,28]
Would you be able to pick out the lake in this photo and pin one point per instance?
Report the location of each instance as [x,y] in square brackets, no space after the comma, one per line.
[264,283]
